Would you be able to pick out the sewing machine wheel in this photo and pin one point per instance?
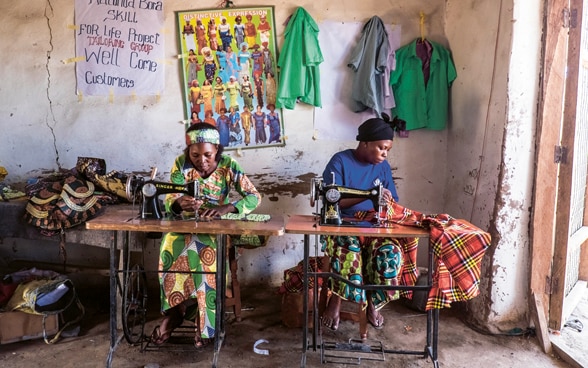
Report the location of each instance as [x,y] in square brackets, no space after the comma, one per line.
[131,188]
[313,192]
[134,304]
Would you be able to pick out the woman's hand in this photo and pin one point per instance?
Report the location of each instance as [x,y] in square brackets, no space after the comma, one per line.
[387,195]
[189,203]
[217,211]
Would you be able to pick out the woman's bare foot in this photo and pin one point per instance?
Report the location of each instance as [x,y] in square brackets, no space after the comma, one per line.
[330,317]
[374,317]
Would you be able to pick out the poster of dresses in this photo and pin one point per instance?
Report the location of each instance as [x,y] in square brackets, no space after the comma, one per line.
[230,75]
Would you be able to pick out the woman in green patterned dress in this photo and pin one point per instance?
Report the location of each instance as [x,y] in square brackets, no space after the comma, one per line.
[202,160]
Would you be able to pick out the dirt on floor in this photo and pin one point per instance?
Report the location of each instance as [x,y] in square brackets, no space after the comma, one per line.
[459,345]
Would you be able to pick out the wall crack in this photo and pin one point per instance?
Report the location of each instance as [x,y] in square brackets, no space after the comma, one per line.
[50,121]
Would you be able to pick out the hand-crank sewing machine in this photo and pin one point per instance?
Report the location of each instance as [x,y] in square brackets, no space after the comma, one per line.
[149,191]
[331,194]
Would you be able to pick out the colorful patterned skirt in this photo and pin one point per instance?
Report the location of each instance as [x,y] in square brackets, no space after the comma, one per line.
[364,260]
[180,255]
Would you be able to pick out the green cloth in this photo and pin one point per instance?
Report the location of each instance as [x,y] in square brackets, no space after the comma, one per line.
[255,217]
[299,62]
[9,193]
[420,106]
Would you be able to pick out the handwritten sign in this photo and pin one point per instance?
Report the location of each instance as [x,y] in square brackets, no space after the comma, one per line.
[122,47]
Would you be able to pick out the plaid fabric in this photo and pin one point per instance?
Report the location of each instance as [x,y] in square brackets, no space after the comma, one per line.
[459,248]
[293,276]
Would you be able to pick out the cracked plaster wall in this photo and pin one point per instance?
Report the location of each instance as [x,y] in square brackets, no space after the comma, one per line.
[45,126]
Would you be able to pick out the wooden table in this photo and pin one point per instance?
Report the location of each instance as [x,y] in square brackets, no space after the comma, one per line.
[308,225]
[128,220]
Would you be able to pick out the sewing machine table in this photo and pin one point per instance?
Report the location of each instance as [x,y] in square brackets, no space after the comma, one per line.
[308,225]
[127,219]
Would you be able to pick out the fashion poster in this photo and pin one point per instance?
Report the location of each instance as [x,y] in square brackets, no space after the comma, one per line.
[230,76]
[119,47]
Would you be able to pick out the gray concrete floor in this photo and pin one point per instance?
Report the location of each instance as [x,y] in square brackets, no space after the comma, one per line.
[571,344]
[459,345]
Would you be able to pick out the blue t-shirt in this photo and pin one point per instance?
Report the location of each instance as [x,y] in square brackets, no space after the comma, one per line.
[352,173]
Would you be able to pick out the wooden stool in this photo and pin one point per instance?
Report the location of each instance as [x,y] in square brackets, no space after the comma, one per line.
[234,300]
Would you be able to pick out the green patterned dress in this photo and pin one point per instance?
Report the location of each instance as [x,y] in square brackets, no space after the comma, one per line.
[197,252]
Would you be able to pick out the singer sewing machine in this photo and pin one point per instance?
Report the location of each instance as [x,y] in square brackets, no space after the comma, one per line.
[331,194]
[148,191]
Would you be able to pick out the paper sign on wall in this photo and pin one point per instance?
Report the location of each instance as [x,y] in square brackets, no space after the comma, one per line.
[122,47]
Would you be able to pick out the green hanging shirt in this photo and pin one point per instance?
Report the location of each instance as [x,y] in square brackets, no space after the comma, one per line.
[419,105]
[299,62]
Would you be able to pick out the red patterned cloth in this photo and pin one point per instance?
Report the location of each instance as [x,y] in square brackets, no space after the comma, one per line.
[293,276]
[459,248]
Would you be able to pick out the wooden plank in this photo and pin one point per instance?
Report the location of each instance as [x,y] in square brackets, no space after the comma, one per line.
[128,220]
[564,352]
[564,189]
[307,224]
[550,111]
[538,316]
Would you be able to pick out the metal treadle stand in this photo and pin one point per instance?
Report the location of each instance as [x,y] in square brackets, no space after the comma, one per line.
[356,351]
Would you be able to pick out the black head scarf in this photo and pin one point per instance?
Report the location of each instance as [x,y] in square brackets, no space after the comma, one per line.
[378,129]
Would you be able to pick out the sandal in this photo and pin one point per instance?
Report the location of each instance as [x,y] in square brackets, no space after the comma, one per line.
[200,342]
[172,321]
[159,338]
[575,324]
[378,323]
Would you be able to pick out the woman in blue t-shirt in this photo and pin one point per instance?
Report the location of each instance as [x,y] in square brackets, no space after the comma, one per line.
[363,260]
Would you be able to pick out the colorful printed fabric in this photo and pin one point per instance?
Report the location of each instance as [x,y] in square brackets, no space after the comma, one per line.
[203,136]
[181,254]
[367,260]
[458,247]
[293,276]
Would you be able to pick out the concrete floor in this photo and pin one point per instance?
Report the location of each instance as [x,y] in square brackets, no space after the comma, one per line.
[570,343]
[459,345]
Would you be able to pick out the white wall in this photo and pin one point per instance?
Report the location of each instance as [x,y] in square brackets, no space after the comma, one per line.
[50,127]
[497,45]
[45,127]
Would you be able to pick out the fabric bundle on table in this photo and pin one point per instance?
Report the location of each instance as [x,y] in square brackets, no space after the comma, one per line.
[459,248]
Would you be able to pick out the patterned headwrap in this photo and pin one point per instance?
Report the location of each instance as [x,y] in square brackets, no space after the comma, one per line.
[203,136]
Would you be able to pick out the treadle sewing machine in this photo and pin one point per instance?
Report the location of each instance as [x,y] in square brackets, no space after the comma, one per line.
[149,191]
[331,194]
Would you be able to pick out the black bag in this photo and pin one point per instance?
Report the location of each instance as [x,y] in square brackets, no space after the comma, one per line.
[48,297]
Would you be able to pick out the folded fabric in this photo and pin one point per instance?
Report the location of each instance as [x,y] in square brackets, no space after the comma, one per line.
[255,217]
[459,248]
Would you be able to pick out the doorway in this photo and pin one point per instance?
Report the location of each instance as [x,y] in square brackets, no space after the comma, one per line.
[559,229]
